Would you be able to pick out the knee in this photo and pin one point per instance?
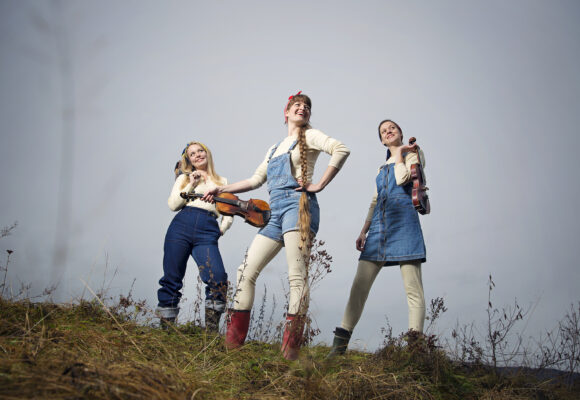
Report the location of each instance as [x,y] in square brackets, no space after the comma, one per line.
[245,275]
[298,280]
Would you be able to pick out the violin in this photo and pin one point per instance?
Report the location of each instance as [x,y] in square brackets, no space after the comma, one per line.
[419,193]
[255,212]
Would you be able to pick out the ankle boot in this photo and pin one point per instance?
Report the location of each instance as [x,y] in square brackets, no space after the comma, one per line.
[167,316]
[292,339]
[340,343]
[238,324]
[212,320]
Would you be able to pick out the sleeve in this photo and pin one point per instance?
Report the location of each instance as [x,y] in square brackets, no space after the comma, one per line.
[403,170]
[175,201]
[260,174]
[226,220]
[372,206]
[338,151]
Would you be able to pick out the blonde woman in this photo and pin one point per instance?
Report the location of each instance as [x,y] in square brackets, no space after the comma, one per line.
[194,231]
[287,169]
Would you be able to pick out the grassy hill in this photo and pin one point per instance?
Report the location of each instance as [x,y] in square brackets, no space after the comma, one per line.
[89,351]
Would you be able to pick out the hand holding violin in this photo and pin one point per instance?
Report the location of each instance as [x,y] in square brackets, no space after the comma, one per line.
[210,194]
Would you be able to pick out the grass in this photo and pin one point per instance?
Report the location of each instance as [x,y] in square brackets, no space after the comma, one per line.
[89,351]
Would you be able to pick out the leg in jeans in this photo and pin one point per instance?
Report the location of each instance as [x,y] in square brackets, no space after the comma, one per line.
[411,273]
[363,281]
[211,270]
[177,249]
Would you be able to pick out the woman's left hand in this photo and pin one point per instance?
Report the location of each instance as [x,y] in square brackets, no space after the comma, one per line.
[309,187]
[406,148]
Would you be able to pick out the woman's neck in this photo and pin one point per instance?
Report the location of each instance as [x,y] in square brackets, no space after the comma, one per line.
[293,129]
[393,147]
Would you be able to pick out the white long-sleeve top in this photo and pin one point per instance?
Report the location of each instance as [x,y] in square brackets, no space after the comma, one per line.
[402,175]
[176,202]
[316,141]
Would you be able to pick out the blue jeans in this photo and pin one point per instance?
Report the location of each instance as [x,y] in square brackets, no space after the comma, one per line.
[194,232]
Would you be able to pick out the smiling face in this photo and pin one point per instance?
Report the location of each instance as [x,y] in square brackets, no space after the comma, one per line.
[197,156]
[390,134]
[298,110]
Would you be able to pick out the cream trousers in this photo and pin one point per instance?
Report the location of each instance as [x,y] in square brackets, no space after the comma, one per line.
[365,276]
[261,252]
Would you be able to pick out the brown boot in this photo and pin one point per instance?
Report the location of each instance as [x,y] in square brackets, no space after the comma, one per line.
[292,339]
[238,324]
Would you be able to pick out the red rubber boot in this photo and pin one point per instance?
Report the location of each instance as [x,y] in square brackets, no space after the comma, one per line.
[292,339]
[238,324]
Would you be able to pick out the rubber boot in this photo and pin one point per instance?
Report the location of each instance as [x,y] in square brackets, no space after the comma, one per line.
[292,339]
[340,342]
[212,320]
[238,324]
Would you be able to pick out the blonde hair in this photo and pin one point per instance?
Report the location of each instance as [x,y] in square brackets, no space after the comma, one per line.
[187,168]
[304,209]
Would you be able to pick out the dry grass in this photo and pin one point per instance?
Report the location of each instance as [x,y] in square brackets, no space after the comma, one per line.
[83,351]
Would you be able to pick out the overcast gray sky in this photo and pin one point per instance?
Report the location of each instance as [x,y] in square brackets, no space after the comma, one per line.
[98,98]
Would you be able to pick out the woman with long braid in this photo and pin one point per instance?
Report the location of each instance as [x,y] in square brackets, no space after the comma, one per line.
[287,169]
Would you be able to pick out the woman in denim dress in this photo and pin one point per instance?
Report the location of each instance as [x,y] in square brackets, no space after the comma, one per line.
[391,235]
[194,231]
[287,169]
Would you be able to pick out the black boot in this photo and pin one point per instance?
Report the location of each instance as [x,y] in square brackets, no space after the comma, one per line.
[340,343]
[212,320]
[164,323]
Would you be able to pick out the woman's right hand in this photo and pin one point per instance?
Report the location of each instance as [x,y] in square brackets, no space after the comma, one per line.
[195,177]
[209,195]
[360,241]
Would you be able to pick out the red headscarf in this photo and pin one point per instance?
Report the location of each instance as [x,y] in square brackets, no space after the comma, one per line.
[286,106]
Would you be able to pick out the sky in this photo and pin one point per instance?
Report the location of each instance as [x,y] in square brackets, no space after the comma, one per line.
[97,100]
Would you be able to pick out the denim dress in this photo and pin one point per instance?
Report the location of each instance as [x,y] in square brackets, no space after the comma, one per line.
[395,233]
[284,199]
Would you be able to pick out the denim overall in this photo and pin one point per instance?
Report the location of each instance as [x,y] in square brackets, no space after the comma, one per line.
[284,200]
[193,231]
[395,233]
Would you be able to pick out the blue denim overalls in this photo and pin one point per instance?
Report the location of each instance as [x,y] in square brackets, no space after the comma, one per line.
[193,231]
[284,200]
[395,233]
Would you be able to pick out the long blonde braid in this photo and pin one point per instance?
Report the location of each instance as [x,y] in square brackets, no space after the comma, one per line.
[304,210]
